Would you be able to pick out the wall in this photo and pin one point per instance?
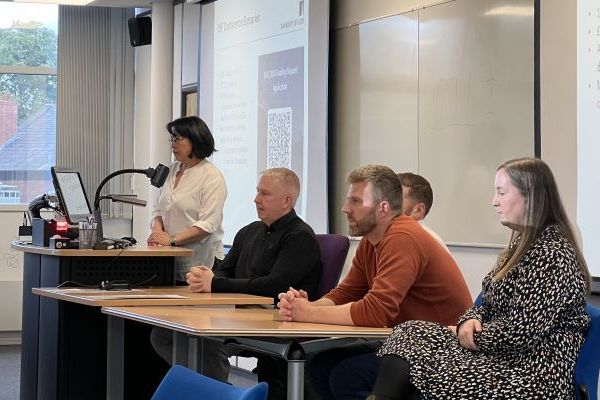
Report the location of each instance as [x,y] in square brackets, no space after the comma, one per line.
[558,102]
[11,276]
[475,262]
[181,12]
[349,12]
[141,156]
[558,54]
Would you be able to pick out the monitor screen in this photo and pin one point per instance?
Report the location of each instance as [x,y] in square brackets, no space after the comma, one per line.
[71,194]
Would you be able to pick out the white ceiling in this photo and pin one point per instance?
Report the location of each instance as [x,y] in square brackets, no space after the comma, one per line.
[127,3]
[101,3]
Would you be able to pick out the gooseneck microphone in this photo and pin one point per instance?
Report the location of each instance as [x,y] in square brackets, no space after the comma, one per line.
[157,176]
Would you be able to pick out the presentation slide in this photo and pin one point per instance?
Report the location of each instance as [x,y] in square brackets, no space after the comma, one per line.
[588,130]
[263,93]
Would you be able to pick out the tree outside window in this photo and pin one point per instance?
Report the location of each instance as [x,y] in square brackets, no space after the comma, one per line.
[28,53]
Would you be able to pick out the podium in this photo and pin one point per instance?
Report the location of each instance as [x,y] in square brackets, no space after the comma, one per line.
[63,345]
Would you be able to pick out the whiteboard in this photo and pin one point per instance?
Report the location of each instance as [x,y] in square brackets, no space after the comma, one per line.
[588,121]
[373,92]
[474,99]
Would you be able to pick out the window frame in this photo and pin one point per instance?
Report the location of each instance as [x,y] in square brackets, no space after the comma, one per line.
[23,70]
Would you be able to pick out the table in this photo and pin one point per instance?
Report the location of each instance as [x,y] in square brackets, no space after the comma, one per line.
[249,328]
[170,296]
[56,357]
[150,296]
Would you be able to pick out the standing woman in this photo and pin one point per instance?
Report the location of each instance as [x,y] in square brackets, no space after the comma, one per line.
[523,341]
[189,211]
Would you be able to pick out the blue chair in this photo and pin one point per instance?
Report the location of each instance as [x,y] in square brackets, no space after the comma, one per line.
[181,383]
[479,300]
[588,363]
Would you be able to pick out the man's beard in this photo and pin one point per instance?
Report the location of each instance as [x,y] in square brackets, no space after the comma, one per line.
[366,225]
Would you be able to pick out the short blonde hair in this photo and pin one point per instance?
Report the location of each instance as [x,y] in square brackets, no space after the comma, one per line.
[289,179]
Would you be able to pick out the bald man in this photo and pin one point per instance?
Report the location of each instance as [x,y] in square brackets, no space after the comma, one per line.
[267,257]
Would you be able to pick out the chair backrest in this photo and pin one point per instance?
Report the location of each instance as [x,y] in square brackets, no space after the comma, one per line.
[588,362]
[334,249]
[479,300]
[184,384]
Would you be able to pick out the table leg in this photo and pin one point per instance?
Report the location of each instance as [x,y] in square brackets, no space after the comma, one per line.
[115,360]
[193,345]
[295,380]
[180,349]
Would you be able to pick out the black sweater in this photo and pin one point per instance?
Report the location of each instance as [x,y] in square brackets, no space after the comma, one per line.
[266,260]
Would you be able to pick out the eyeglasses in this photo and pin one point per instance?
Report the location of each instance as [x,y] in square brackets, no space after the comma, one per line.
[175,139]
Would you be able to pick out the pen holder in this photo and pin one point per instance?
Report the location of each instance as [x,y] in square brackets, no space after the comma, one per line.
[87,238]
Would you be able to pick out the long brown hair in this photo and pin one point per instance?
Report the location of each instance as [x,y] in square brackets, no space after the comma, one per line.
[543,207]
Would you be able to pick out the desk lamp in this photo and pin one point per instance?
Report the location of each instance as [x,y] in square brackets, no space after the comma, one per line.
[157,176]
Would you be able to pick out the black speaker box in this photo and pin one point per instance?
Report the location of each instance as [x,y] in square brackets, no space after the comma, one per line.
[140,31]
[42,230]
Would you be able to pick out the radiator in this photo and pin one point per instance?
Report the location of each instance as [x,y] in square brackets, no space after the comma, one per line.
[11,302]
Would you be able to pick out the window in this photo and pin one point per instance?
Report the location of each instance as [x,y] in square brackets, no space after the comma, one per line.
[28,49]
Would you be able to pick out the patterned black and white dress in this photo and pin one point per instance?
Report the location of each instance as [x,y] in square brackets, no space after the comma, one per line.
[534,322]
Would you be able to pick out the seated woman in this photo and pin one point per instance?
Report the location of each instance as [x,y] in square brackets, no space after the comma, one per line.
[523,341]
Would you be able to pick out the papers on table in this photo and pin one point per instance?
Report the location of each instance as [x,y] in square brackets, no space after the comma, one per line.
[119,296]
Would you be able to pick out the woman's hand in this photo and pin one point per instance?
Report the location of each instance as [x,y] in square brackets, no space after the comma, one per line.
[466,331]
[159,238]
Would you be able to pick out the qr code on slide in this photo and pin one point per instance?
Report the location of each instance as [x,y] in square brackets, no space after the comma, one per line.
[279,139]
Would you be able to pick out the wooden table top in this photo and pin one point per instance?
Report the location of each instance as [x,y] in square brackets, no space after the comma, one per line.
[133,251]
[158,296]
[237,322]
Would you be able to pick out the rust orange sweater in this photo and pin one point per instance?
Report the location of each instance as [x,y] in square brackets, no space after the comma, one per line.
[406,276]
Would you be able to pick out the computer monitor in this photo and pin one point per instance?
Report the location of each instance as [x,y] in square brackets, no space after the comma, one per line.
[71,194]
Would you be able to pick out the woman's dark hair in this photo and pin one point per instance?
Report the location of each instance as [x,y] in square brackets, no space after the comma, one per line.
[193,128]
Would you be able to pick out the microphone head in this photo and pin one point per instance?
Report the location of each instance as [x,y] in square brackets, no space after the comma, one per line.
[160,175]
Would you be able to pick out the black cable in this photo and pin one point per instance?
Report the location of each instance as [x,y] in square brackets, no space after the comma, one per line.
[145,281]
[118,254]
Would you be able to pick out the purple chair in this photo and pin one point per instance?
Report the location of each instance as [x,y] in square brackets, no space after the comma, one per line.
[334,249]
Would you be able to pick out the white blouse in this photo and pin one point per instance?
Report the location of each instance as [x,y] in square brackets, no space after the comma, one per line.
[197,201]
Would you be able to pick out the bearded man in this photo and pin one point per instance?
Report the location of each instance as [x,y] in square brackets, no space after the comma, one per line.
[399,273]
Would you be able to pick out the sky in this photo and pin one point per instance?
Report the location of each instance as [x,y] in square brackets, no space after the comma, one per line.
[47,14]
